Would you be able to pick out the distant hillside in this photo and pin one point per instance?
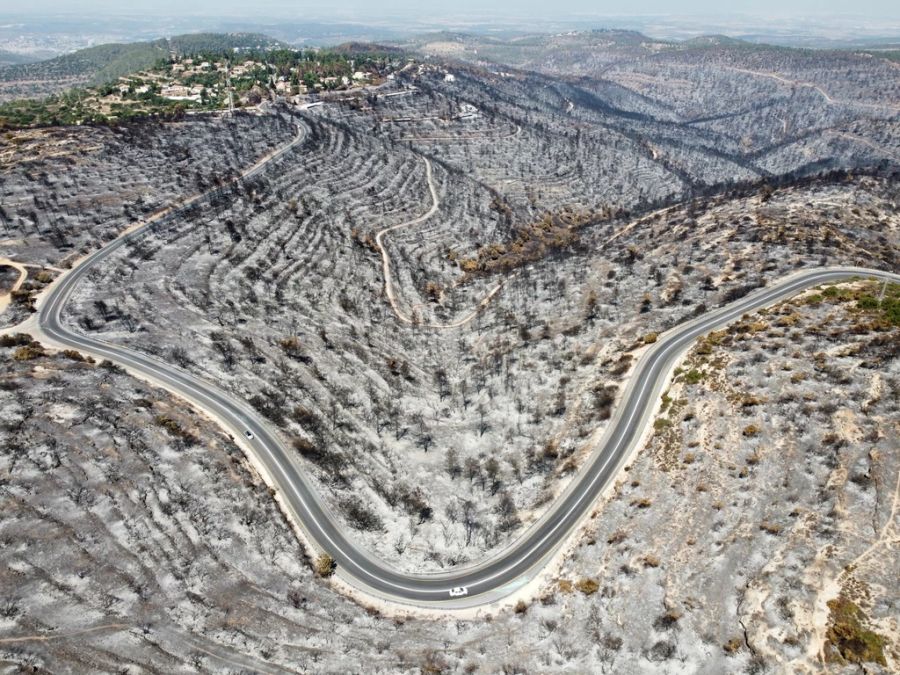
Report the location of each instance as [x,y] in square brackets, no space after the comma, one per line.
[96,65]
[630,38]
[11,58]
[365,48]
[532,51]
[584,53]
[717,41]
[104,62]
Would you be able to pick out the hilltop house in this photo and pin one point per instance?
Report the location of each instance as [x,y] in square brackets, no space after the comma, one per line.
[180,92]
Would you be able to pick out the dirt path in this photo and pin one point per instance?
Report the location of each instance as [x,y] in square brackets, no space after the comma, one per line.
[23,274]
[815,87]
[831,588]
[385,258]
[435,205]
[473,136]
[784,80]
[386,264]
[864,141]
[890,534]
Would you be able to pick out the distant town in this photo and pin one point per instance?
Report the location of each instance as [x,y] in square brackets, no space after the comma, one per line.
[183,84]
[249,81]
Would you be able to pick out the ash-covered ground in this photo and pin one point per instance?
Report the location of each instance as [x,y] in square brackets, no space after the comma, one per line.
[278,292]
[440,408]
[136,537]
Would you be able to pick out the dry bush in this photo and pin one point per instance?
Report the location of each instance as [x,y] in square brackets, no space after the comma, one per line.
[587,586]
[324,565]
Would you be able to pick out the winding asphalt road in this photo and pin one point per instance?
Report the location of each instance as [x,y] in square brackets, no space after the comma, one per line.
[494,578]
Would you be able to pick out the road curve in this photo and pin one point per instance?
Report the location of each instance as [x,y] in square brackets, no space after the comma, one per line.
[494,578]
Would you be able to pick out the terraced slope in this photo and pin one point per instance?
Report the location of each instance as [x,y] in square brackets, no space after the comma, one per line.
[277,292]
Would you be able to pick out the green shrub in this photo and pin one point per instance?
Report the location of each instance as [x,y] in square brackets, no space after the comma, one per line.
[693,376]
[661,423]
[846,635]
[867,302]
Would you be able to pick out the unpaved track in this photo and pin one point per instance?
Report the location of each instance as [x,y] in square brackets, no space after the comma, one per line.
[474,136]
[815,87]
[435,205]
[386,264]
[831,589]
[23,274]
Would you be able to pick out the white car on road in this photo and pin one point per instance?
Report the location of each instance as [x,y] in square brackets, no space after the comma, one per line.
[458,592]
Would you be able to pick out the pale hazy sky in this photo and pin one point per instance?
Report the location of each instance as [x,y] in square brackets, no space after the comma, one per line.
[422,9]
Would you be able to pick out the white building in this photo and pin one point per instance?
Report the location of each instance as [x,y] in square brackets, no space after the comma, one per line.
[179,92]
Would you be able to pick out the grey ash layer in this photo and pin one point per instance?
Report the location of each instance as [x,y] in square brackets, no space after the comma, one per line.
[275,294]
